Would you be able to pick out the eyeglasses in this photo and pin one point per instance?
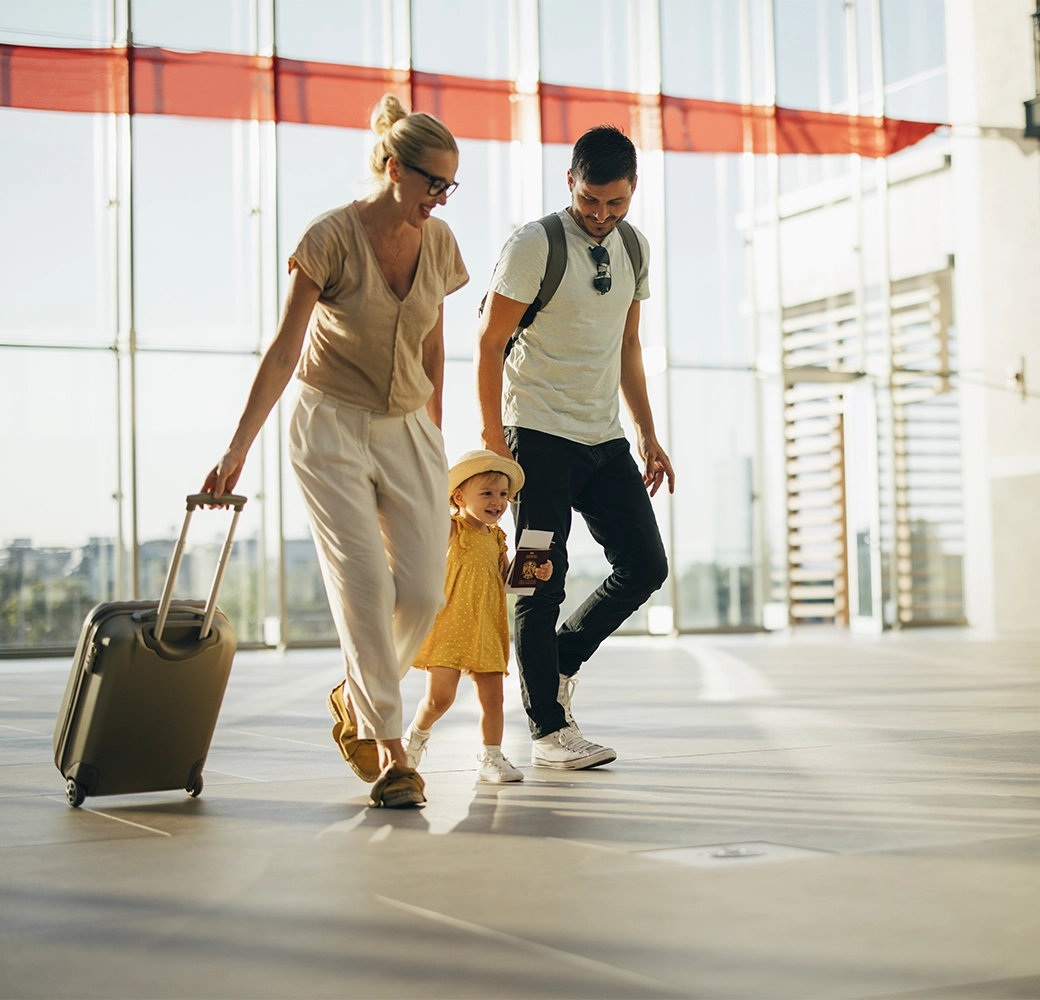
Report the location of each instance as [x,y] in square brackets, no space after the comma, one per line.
[438,185]
[602,280]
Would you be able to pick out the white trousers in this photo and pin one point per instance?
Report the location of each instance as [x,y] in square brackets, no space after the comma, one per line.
[376,488]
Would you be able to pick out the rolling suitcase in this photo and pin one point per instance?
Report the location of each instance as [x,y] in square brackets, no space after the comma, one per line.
[146,685]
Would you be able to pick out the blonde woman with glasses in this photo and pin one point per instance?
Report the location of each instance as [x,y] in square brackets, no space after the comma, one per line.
[368,282]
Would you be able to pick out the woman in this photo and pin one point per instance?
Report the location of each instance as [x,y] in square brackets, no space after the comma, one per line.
[370,279]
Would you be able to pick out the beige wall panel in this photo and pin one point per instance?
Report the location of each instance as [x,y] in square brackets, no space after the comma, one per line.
[920,225]
[817,255]
[1016,541]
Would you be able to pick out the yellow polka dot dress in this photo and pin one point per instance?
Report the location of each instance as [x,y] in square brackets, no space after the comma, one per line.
[471,631]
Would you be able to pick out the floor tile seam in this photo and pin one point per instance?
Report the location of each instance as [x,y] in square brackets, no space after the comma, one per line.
[815,798]
[893,699]
[123,820]
[281,739]
[230,774]
[73,842]
[982,988]
[683,796]
[821,746]
[939,844]
[916,781]
[542,950]
[23,733]
[836,823]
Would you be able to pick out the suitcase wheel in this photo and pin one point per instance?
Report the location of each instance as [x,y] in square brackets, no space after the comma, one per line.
[75,793]
[196,789]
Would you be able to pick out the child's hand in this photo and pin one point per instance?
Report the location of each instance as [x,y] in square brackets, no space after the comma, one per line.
[544,571]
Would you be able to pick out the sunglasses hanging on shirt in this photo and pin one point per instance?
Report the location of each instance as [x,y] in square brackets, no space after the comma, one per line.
[602,280]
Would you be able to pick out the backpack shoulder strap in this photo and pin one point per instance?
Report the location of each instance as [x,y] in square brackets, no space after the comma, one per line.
[555,265]
[633,246]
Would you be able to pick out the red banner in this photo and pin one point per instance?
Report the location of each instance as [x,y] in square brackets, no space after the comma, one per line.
[227,86]
[84,80]
[328,94]
[201,84]
[472,108]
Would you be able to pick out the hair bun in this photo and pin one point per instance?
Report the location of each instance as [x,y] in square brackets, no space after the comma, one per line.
[385,113]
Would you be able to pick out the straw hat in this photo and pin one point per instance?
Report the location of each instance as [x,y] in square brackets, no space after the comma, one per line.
[473,463]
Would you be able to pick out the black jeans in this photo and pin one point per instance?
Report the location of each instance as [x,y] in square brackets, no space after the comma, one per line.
[604,485]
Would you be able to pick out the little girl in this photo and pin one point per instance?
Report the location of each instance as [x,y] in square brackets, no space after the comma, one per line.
[471,632]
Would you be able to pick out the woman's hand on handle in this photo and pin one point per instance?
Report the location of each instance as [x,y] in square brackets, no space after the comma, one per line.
[272,376]
[225,474]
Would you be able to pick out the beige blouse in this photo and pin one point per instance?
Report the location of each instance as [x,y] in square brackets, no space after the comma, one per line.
[365,344]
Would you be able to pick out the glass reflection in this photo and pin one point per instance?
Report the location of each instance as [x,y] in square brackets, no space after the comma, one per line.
[353,32]
[199,25]
[706,260]
[68,23]
[57,250]
[713,447]
[198,265]
[59,549]
[583,45]
[913,36]
[810,55]
[195,272]
[700,49]
[462,38]
[480,217]
[188,407]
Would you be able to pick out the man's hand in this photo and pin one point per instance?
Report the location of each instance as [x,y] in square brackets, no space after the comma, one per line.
[496,443]
[656,466]
[497,324]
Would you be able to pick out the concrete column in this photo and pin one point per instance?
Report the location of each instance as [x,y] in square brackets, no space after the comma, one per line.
[996,198]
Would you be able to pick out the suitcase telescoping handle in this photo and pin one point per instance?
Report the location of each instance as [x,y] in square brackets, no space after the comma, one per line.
[200,500]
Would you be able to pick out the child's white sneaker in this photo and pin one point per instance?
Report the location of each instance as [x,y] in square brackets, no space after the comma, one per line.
[496,766]
[415,745]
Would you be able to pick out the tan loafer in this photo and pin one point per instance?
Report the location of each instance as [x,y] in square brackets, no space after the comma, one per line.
[361,755]
[398,787]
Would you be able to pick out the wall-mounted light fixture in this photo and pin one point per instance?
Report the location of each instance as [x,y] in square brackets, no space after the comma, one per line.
[1033,105]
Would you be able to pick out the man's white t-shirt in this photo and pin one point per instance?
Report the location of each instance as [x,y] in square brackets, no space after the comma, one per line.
[563,375]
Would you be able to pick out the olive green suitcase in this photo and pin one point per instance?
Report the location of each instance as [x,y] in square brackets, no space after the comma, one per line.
[146,686]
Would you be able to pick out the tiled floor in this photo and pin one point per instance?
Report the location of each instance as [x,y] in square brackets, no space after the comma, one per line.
[809,816]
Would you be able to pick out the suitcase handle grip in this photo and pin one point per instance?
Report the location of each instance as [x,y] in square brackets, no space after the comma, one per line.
[197,500]
[209,500]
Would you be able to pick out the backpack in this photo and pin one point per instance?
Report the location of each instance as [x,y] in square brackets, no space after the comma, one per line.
[556,264]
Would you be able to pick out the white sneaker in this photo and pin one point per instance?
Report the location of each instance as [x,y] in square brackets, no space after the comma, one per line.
[415,746]
[567,686]
[497,767]
[567,749]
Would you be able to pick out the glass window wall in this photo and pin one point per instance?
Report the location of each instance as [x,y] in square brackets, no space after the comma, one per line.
[196,25]
[583,46]
[195,260]
[700,49]
[354,32]
[56,272]
[68,23]
[462,38]
[136,423]
[914,59]
[60,551]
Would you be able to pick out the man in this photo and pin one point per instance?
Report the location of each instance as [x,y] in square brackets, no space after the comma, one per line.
[560,422]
